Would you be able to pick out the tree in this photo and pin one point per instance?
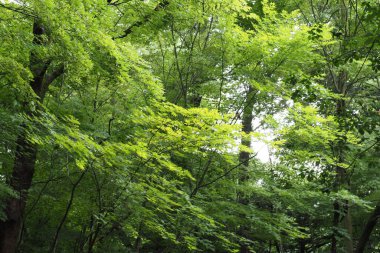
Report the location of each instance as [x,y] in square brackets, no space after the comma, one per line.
[131,126]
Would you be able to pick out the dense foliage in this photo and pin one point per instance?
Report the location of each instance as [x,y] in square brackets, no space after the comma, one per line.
[136,126]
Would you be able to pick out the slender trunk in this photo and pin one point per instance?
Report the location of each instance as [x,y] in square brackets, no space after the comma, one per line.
[342,178]
[247,118]
[68,207]
[303,222]
[368,229]
[335,224]
[302,246]
[93,237]
[347,223]
[244,157]
[279,247]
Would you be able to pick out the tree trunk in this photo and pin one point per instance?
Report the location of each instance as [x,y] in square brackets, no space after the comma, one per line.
[247,118]
[347,223]
[25,155]
[342,178]
[335,227]
[20,182]
[370,225]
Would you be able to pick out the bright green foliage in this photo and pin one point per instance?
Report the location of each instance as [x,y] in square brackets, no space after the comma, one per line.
[139,134]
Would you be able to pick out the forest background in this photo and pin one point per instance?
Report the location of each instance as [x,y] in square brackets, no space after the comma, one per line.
[132,126]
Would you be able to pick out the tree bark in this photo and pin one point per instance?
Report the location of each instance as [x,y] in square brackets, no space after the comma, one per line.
[342,179]
[370,225]
[335,224]
[20,182]
[247,118]
[25,155]
[347,223]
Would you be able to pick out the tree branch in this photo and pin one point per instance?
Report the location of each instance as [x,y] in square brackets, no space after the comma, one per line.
[370,225]
[55,241]
[146,18]
[54,75]
[18,10]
